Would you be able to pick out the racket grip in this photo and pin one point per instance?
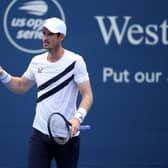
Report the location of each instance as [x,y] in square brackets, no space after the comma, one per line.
[85,127]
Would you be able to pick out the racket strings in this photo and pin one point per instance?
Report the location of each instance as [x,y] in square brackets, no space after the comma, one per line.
[59,129]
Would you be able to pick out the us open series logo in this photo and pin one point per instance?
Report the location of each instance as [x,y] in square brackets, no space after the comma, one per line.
[23,21]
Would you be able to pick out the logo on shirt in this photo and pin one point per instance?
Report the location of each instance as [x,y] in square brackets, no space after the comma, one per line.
[40,69]
[23,21]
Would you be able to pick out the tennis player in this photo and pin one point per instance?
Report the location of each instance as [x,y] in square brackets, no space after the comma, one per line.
[59,75]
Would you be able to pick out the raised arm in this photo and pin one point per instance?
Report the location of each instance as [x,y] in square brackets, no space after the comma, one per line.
[17,85]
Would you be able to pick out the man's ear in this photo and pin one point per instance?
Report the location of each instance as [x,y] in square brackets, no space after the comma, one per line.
[61,36]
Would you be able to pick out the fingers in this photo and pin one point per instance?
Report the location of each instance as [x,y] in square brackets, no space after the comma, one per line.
[1,70]
[75,126]
[74,130]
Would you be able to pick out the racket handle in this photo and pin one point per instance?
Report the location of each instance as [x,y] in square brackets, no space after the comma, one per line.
[85,127]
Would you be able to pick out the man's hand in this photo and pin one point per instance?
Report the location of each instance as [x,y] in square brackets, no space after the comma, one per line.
[75,126]
[1,70]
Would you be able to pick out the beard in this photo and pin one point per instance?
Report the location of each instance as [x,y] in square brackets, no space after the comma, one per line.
[46,44]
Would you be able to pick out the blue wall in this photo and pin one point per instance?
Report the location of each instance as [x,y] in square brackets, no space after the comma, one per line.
[124,43]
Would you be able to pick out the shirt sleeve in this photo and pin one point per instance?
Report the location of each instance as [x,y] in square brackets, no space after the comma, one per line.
[80,72]
[29,72]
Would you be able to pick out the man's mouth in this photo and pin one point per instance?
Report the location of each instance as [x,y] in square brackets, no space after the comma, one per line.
[45,43]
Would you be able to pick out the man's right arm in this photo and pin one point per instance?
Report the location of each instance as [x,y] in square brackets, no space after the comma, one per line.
[17,85]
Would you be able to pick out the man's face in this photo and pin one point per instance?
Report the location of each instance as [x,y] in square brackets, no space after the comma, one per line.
[50,40]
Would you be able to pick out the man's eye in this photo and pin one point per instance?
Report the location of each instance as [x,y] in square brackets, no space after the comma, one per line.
[44,33]
[50,34]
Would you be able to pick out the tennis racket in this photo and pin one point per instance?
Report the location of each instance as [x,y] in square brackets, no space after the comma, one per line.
[59,128]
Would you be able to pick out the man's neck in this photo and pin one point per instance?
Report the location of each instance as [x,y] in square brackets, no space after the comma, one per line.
[55,55]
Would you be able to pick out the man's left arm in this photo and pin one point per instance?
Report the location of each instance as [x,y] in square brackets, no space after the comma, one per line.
[84,106]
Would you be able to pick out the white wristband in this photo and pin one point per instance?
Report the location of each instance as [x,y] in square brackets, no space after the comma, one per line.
[80,114]
[5,77]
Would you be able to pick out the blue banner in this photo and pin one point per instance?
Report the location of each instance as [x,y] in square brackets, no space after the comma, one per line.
[124,44]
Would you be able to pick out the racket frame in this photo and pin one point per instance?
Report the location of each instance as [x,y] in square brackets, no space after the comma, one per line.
[67,123]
